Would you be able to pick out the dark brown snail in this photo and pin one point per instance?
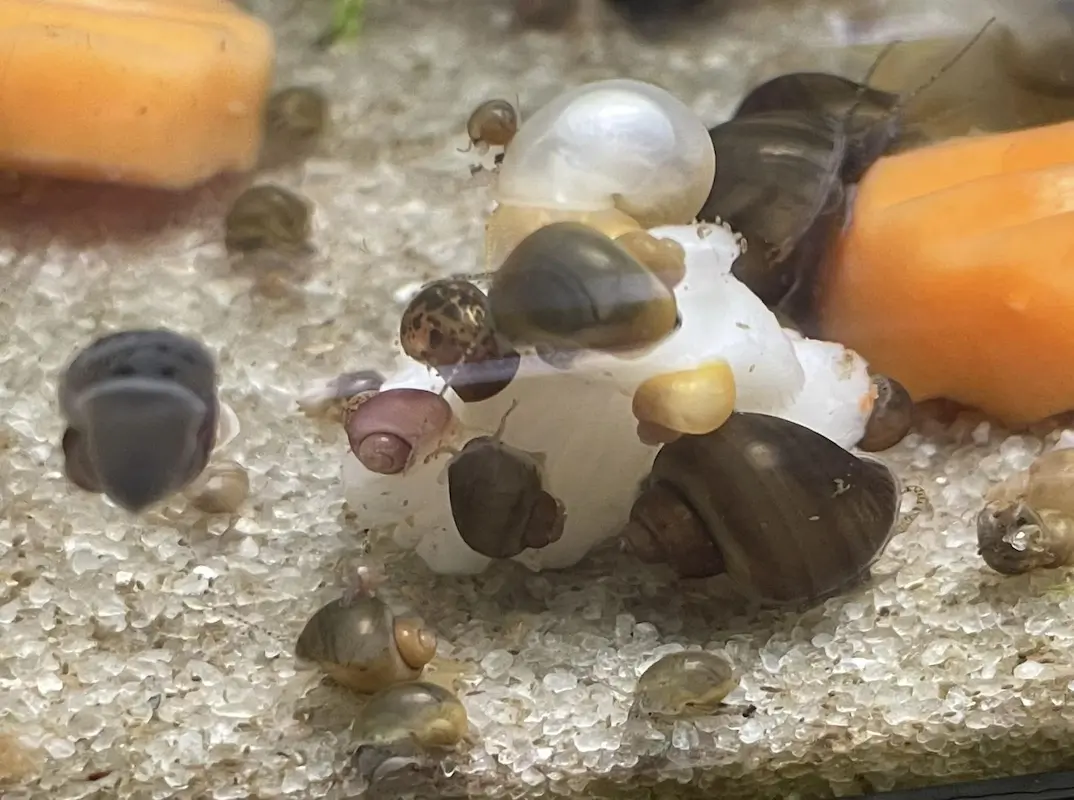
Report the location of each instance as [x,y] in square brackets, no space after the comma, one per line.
[498,500]
[268,217]
[786,513]
[891,418]
[446,326]
[569,287]
[494,123]
[387,430]
[295,121]
[687,684]
[362,645]
[422,713]
[1027,522]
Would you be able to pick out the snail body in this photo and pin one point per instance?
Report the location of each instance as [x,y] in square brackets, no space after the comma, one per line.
[421,713]
[787,514]
[142,415]
[362,645]
[685,684]
[614,154]
[1027,522]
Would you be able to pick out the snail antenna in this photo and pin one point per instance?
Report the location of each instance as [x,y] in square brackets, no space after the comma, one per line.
[947,65]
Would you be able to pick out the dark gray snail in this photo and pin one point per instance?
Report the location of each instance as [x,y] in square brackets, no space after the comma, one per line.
[447,326]
[686,684]
[388,430]
[498,500]
[788,515]
[891,418]
[1027,522]
[567,287]
[270,218]
[421,713]
[141,410]
[359,642]
[295,121]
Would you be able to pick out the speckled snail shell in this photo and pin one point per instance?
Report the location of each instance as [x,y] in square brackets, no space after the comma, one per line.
[362,645]
[387,429]
[267,217]
[787,514]
[1027,522]
[421,713]
[446,326]
[891,418]
[685,684]
[569,287]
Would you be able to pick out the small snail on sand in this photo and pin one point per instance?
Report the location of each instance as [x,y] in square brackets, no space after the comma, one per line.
[446,326]
[221,489]
[787,514]
[387,431]
[494,123]
[422,713]
[295,120]
[689,683]
[498,500]
[568,287]
[361,644]
[891,418]
[268,217]
[1027,522]
[141,408]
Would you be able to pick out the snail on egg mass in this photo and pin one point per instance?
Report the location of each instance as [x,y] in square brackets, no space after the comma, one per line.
[141,409]
[447,326]
[267,217]
[787,514]
[498,500]
[362,645]
[685,684]
[422,713]
[387,431]
[1027,522]
[295,121]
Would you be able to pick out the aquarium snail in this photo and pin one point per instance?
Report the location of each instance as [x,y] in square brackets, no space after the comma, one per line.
[787,514]
[268,217]
[422,713]
[618,155]
[334,396]
[568,287]
[387,431]
[141,410]
[362,645]
[497,497]
[891,418]
[691,401]
[221,489]
[685,684]
[447,326]
[295,121]
[494,123]
[665,258]
[1027,522]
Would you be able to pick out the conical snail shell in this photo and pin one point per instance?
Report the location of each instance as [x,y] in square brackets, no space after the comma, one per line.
[794,516]
[360,643]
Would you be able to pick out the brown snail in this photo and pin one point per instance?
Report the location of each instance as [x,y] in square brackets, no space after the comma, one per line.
[295,121]
[446,326]
[494,123]
[891,418]
[268,217]
[498,500]
[362,645]
[568,287]
[422,713]
[788,515]
[689,683]
[390,428]
[1027,522]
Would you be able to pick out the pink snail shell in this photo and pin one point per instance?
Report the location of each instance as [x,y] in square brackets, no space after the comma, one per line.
[386,429]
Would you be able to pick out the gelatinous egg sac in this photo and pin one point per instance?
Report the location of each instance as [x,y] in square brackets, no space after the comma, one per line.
[141,409]
[423,713]
[498,502]
[360,643]
[690,683]
[569,287]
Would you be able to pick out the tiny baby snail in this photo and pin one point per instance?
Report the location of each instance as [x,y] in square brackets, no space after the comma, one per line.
[494,123]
